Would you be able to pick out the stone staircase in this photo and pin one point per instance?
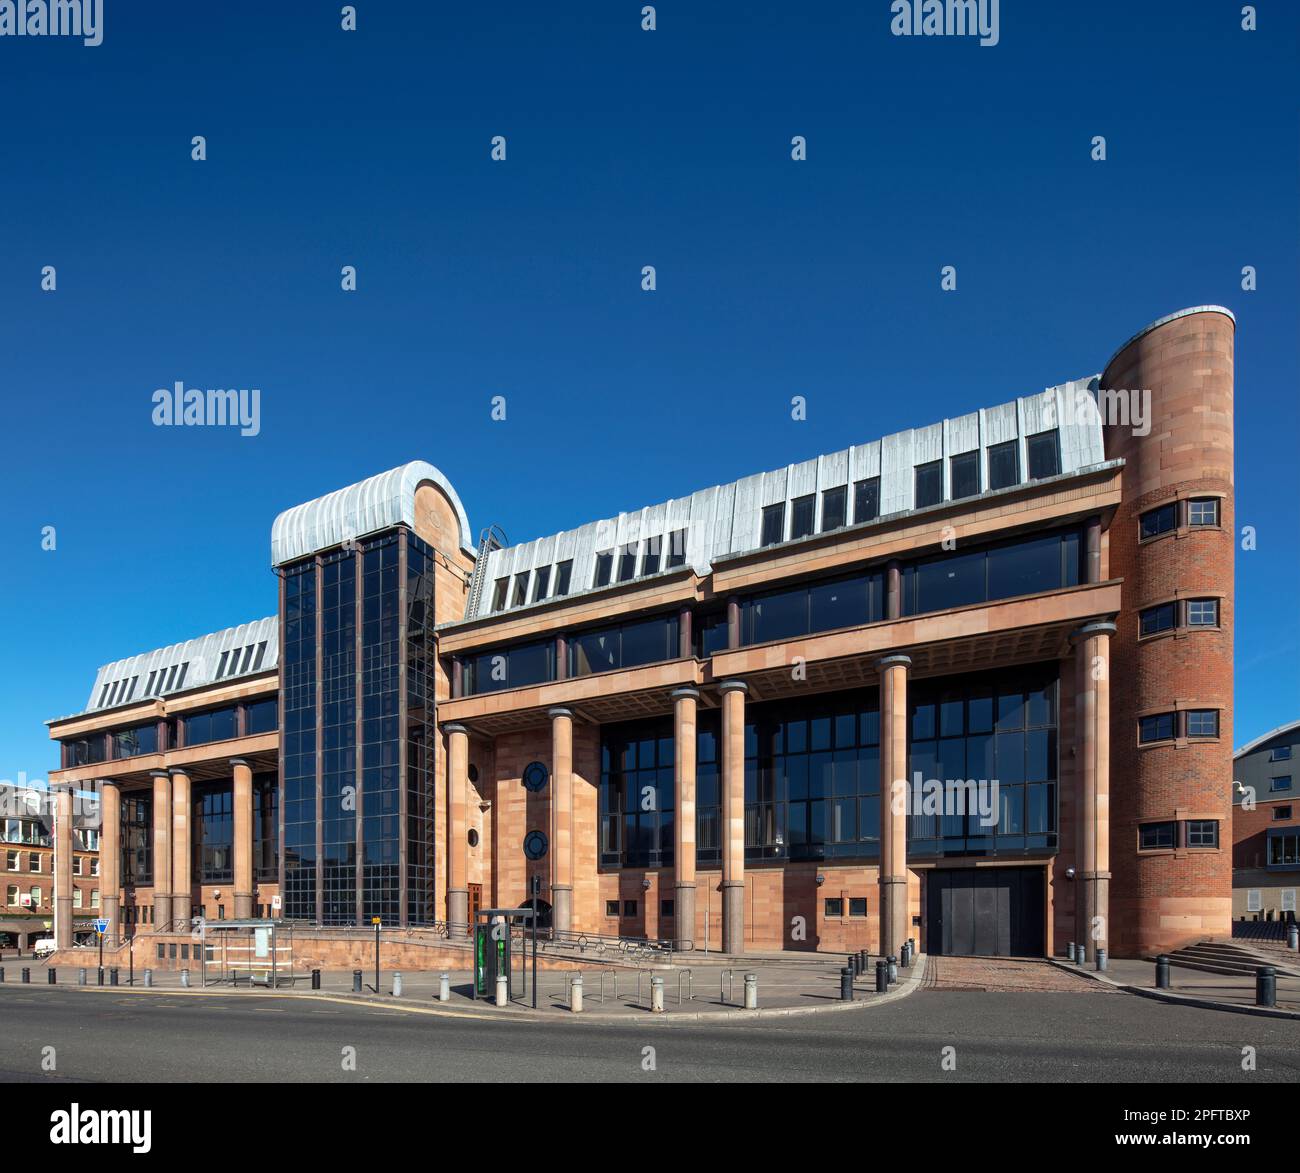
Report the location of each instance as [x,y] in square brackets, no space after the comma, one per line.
[1232,957]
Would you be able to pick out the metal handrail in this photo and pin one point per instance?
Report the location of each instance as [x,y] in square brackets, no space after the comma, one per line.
[690,995]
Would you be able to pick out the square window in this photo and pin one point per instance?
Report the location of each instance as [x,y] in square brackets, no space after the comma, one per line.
[611,908]
[1157,836]
[1276,784]
[629,908]
[1157,727]
[866,500]
[1203,511]
[1158,521]
[834,508]
[1203,723]
[1203,833]
[773,524]
[1004,465]
[666,909]
[834,907]
[1202,612]
[965,474]
[802,523]
[1280,753]
[1044,455]
[929,484]
[857,906]
[1281,813]
[1157,619]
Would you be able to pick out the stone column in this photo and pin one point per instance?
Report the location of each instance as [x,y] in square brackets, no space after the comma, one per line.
[457,830]
[182,853]
[1092,710]
[685,701]
[562,797]
[242,809]
[893,803]
[110,857]
[63,867]
[162,848]
[733,815]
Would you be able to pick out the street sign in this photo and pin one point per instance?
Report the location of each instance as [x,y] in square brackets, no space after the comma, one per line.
[374,920]
[101,927]
[275,903]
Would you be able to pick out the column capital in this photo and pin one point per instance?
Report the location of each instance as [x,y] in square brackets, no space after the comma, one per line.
[1101,627]
[560,712]
[733,686]
[233,762]
[159,773]
[685,694]
[455,728]
[896,661]
[172,771]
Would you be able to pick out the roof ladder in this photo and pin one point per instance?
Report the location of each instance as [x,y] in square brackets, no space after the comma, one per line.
[492,538]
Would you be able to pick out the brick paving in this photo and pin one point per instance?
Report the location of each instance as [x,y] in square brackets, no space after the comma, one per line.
[1006,975]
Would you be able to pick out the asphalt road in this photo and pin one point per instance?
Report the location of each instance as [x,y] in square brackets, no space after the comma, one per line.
[110,1037]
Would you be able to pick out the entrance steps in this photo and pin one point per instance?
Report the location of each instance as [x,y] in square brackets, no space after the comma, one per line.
[1229,957]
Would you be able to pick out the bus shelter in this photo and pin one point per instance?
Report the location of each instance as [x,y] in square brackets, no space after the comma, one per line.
[255,952]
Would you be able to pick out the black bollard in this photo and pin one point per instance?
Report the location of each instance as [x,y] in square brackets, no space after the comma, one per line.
[893,969]
[882,976]
[846,984]
[112,976]
[99,980]
[356,981]
[1266,986]
[1069,952]
[1162,972]
[54,977]
[315,979]
[2,973]
[27,975]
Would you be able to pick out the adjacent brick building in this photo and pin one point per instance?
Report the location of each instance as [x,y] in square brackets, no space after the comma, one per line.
[1266,826]
[870,696]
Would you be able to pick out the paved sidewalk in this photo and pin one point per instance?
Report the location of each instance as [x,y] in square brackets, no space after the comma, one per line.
[1007,975]
[1225,991]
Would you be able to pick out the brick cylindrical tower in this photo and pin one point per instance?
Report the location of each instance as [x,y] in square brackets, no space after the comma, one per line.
[1175,777]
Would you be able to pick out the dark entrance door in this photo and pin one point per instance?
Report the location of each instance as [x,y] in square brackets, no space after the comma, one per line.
[985,912]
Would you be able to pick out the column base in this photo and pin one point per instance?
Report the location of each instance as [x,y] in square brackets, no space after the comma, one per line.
[181,907]
[562,908]
[733,916]
[893,914]
[162,913]
[684,918]
[458,913]
[243,905]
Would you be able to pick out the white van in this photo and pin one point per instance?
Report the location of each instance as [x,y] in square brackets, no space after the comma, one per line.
[44,947]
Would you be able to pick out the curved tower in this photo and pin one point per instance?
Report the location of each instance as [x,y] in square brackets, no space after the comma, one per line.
[1171,542]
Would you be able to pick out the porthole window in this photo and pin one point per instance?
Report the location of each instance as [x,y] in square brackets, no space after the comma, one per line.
[473,836]
[536,776]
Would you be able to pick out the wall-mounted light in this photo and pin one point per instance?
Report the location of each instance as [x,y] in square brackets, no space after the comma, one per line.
[646,883]
[1069,873]
[821,879]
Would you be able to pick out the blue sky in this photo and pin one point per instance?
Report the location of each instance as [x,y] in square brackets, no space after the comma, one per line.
[624,148]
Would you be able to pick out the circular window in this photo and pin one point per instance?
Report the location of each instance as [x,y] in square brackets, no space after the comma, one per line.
[473,836]
[536,776]
[535,845]
[473,772]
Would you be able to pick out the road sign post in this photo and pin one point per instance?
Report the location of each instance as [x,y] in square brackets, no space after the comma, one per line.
[374,920]
[101,927]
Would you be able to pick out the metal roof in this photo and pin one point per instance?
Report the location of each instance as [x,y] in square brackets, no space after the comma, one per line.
[211,659]
[1263,738]
[727,519]
[375,504]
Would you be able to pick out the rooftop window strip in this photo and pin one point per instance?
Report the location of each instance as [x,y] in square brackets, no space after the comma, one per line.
[563,576]
[1044,450]
[261,655]
[773,524]
[221,664]
[541,583]
[677,548]
[627,562]
[604,568]
[499,589]
[650,554]
[1004,464]
[866,500]
[834,508]
[180,680]
[520,596]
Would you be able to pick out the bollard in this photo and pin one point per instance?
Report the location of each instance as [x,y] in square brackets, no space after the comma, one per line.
[99,976]
[893,969]
[185,979]
[1069,952]
[846,984]
[148,979]
[1266,986]
[2,973]
[1162,972]
[54,978]
[575,993]
[81,976]
[444,988]
[503,990]
[27,975]
[1293,937]
[356,981]
[855,964]
[882,976]
[315,979]
[112,976]
[656,995]
[751,991]
[1101,960]
[397,984]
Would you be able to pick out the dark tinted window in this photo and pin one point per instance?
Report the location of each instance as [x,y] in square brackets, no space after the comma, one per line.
[1004,465]
[647,642]
[1155,619]
[1044,455]
[965,473]
[953,580]
[834,507]
[1203,723]
[521,590]
[1202,612]
[866,500]
[513,667]
[929,484]
[1203,511]
[563,575]
[604,568]
[216,725]
[650,554]
[773,524]
[1025,568]
[129,743]
[1156,835]
[677,548]
[499,593]
[804,508]
[1203,833]
[710,633]
[627,563]
[1158,727]
[1158,521]
[263,716]
[541,583]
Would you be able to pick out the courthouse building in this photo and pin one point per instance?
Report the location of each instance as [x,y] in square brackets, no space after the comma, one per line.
[687,721]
